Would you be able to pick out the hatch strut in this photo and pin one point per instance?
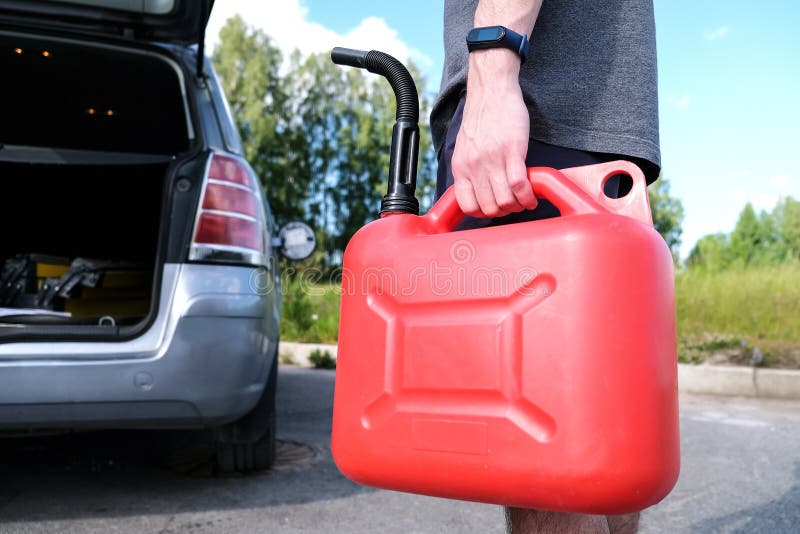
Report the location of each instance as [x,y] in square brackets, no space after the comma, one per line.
[201,52]
[201,44]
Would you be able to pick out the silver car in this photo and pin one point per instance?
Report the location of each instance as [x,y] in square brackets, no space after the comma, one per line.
[140,275]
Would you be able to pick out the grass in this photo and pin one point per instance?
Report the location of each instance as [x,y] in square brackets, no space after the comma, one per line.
[310,313]
[722,317]
[725,316]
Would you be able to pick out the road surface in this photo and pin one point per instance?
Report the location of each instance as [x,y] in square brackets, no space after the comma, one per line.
[741,473]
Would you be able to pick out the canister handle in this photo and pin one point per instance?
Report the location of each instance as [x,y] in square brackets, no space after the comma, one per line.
[592,178]
[547,183]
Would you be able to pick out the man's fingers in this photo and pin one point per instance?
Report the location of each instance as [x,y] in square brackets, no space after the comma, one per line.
[485,195]
[503,195]
[465,193]
[489,182]
[519,184]
[465,196]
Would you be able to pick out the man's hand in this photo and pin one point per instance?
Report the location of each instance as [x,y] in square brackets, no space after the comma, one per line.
[489,159]
[488,163]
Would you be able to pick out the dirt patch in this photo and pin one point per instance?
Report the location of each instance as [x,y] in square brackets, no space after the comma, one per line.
[295,456]
[726,349]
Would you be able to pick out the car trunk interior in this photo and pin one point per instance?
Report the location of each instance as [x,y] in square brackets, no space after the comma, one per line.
[86,140]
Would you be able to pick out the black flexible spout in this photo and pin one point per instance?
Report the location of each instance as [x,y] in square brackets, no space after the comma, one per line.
[405,135]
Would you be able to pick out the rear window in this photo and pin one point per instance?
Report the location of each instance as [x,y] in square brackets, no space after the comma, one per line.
[66,95]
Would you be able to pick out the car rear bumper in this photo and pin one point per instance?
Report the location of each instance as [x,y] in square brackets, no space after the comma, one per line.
[206,362]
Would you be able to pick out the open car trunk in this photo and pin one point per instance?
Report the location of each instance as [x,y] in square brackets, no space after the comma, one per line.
[95,226]
[87,139]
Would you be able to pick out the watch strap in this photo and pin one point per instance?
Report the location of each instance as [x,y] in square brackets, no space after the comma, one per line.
[505,39]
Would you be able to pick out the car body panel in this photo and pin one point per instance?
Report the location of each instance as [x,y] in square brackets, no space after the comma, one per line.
[172,21]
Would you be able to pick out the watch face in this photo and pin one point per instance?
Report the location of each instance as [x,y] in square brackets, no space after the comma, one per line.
[492,33]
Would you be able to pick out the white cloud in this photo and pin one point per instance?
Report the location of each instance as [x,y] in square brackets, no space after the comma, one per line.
[779,180]
[717,33]
[286,22]
[681,103]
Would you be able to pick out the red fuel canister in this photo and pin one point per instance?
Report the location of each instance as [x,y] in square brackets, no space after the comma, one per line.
[530,365]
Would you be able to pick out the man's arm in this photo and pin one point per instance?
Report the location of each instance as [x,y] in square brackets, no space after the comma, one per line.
[489,159]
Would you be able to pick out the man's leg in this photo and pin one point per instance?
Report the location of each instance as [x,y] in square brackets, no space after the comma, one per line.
[522,521]
[623,524]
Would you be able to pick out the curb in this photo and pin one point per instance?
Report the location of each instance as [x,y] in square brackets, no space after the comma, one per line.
[739,381]
[703,379]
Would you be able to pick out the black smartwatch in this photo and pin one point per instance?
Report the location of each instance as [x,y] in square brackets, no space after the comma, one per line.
[498,37]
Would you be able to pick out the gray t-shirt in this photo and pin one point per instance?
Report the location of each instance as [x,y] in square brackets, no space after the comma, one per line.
[590,81]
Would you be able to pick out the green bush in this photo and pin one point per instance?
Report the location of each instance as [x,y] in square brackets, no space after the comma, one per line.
[322,359]
[297,312]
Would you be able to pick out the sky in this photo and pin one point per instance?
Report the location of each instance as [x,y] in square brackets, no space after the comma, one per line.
[729,84]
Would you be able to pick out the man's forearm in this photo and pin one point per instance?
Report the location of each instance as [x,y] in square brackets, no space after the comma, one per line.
[517,15]
[488,162]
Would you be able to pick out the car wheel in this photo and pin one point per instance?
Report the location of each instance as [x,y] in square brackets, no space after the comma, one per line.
[248,444]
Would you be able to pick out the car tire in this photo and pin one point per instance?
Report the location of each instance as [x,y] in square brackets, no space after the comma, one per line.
[247,457]
[249,443]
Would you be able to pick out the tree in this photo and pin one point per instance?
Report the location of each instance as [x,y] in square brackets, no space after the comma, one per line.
[667,213]
[249,64]
[757,239]
[710,253]
[748,238]
[786,220]
[317,135]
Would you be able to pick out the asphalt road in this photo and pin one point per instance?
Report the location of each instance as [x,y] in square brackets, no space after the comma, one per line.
[741,473]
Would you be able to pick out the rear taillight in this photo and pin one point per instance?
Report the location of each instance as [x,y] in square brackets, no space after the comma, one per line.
[230,221]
